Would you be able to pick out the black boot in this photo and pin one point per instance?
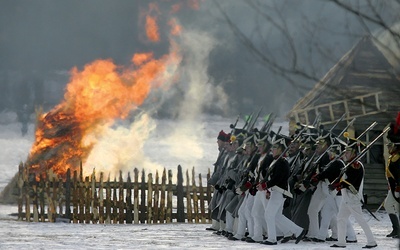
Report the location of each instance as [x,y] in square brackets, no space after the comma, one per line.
[395,224]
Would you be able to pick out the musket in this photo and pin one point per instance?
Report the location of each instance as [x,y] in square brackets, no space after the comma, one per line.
[255,120]
[268,126]
[360,155]
[317,120]
[337,122]
[247,120]
[368,129]
[233,126]
[267,122]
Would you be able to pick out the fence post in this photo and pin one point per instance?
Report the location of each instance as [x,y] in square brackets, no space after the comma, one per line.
[179,194]
[209,196]
[41,198]
[156,215]
[95,200]
[75,198]
[101,199]
[202,200]
[88,200]
[188,198]
[114,202]
[195,198]
[121,200]
[169,198]
[149,198]
[136,197]
[129,200]
[108,202]
[143,199]
[68,195]
[162,202]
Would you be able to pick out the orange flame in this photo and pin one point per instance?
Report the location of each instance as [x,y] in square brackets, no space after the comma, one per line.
[96,95]
[176,29]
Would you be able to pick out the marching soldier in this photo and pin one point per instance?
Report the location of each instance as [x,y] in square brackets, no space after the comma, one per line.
[222,142]
[321,187]
[302,196]
[264,146]
[276,186]
[351,185]
[393,177]
[243,188]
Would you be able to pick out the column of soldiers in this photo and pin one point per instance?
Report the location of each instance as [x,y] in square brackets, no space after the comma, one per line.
[270,188]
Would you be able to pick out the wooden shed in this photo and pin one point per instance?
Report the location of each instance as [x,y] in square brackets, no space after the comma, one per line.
[362,85]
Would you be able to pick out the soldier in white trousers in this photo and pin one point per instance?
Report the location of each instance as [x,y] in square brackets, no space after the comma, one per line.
[351,184]
[276,185]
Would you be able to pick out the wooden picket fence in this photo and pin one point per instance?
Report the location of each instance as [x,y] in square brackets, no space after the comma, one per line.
[87,200]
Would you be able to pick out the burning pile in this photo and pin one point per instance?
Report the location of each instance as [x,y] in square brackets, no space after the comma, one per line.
[95,97]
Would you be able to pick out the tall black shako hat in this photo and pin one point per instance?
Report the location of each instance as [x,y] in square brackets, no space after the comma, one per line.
[308,140]
[394,133]
[279,139]
[262,138]
[324,136]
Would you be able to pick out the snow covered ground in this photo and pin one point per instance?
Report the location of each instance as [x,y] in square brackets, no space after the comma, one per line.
[22,235]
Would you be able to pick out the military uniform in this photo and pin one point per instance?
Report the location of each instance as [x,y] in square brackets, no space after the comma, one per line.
[393,178]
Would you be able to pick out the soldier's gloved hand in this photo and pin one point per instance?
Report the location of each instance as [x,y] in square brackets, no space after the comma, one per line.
[397,192]
[238,191]
[302,187]
[222,189]
[334,186]
[216,187]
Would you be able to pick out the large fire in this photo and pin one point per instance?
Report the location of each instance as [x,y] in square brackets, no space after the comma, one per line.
[97,95]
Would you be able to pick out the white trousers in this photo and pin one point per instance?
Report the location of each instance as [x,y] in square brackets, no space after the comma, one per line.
[351,234]
[229,222]
[317,202]
[244,216]
[391,205]
[351,205]
[260,224]
[275,218]
[329,213]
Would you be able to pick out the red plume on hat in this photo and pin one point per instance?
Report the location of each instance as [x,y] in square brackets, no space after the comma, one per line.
[394,132]
[397,124]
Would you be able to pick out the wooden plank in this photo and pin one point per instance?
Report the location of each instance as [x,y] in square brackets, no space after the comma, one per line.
[101,199]
[162,201]
[68,194]
[168,214]
[114,203]
[149,198]
[156,215]
[128,201]
[188,199]
[88,200]
[143,199]
[180,195]
[94,199]
[108,202]
[136,197]
[195,198]
[202,201]
[121,200]
[75,198]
